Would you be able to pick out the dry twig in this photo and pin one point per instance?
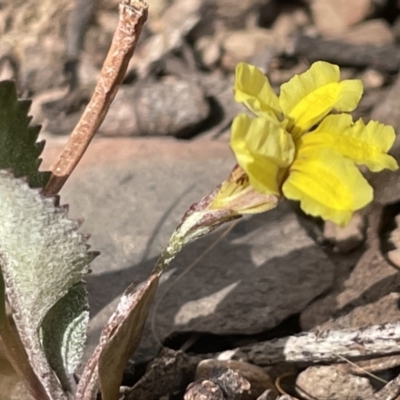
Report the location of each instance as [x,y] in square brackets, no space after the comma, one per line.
[133,14]
[327,346]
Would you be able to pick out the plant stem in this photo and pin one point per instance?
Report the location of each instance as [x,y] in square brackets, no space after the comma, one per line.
[133,14]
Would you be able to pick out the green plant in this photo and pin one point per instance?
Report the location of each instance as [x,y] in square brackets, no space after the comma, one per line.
[44,309]
[43,259]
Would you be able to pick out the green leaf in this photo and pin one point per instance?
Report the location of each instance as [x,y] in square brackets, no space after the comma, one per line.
[19,150]
[43,259]
[63,333]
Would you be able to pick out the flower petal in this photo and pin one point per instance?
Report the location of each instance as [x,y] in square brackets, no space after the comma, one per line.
[310,96]
[253,89]
[263,149]
[327,185]
[364,144]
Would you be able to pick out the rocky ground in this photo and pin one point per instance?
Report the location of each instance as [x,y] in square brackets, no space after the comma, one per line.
[164,144]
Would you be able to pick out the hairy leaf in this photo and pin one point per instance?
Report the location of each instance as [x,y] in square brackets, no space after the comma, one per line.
[64,333]
[43,259]
[18,148]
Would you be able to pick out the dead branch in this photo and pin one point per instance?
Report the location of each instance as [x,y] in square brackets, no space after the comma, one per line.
[328,346]
[133,14]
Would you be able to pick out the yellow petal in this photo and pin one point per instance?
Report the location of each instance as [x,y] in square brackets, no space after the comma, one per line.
[253,89]
[263,149]
[309,97]
[327,185]
[364,144]
[238,195]
[263,137]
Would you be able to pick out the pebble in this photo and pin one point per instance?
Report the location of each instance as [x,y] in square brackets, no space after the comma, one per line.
[170,108]
[377,32]
[334,17]
[256,46]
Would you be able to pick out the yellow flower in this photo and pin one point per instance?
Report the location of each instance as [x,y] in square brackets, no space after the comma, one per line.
[294,148]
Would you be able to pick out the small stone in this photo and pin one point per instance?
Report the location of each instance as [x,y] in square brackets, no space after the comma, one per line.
[208,50]
[394,257]
[289,21]
[259,380]
[35,38]
[329,382]
[256,46]
[237,15]
[170,108]
[334,17]
[348,238]
[372,79]
[382,311]
[173,26]
[377,32]
[232,383]
[204,390]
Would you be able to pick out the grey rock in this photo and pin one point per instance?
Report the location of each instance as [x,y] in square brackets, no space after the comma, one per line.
[256,46]
[173,107]
[32,36]
[236,15]
[132,194]
[170,29]
[333,17]
[328,382]
[376,31]
[208,50]
[382,311]
[264,271]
